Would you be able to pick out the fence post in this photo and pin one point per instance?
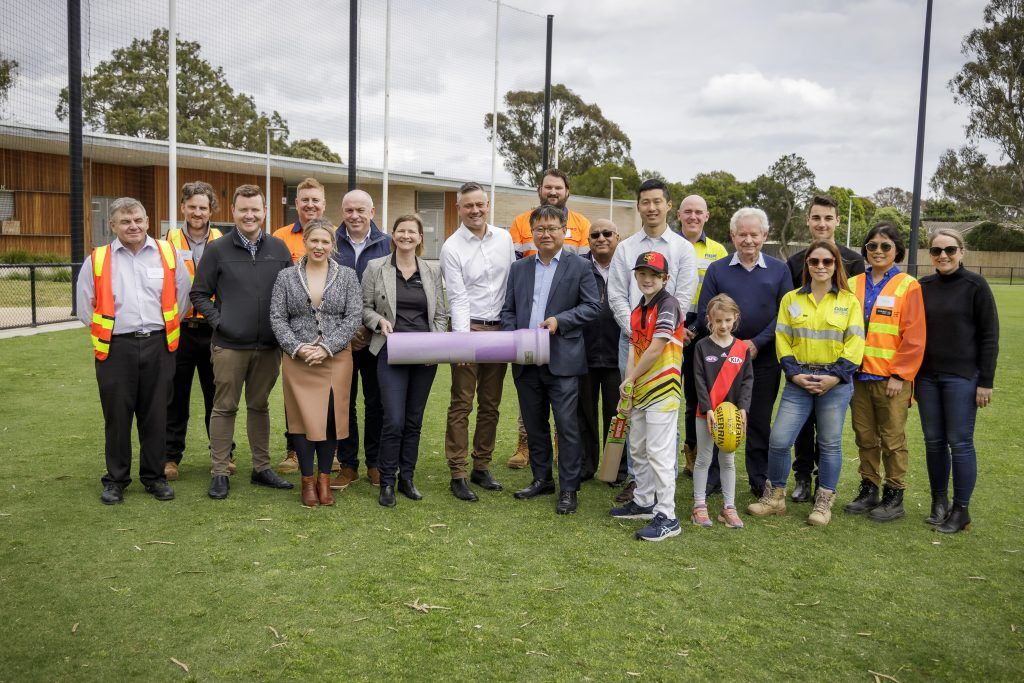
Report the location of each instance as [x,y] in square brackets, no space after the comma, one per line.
[32,290]
[1011,274]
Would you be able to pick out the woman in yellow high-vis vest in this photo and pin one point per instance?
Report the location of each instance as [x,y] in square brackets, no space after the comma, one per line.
[819,338]
[882,388]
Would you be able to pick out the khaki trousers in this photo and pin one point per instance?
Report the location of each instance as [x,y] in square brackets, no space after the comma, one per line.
[485,381]
[879,424]
[256,371]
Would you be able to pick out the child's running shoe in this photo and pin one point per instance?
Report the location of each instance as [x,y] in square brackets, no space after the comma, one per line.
[660,528]
[633,511]
[729,517]
[700,516]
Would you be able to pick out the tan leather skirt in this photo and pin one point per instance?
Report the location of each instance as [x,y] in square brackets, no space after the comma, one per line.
[307,391]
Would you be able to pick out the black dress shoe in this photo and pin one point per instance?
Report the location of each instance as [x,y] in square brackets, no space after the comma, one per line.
[802,490]
[537,488]
[161,490]
[566,503]
[460,489]
[269,477]
[483,479]
[112,494]
[387,496]
[219,487]
[409,490]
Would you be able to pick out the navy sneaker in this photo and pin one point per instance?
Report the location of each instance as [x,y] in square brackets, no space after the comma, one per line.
[633,511]
[660,528]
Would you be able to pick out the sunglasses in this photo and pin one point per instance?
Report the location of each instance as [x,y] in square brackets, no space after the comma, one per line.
[602,233]
[828,262]
[884,247]
[938,251]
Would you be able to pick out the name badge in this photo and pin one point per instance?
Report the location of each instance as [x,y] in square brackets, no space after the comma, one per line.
[155,273]
[794,309]
[888,301]
[185,254]
[568,234]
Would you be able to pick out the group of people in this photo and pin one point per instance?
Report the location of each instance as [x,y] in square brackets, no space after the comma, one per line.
[653,324]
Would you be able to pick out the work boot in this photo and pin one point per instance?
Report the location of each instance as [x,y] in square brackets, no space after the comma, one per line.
[346,477]
[290,464]
[940,508]
[521,458]
[323,489]
[373,474]
[802,488]
[308,492]
[866,500]
[822,512]
[171,470]
[771,502]
[626,494]
[689,459]
[891,506]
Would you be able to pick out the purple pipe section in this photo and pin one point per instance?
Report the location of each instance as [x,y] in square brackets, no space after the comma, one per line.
[525,347]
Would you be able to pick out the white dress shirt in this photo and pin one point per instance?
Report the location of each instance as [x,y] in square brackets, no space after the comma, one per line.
[475,274]
[623,293]
[138,281]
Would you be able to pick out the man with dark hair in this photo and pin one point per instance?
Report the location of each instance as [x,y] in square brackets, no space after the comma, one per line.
[198,202]
[475,261]
[822,221]
[553,191]
[232,290]
[552,289]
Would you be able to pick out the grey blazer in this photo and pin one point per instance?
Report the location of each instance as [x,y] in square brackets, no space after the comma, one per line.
[379,297]
[296,322]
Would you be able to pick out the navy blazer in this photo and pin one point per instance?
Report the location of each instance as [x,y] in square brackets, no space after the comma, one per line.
[573,300]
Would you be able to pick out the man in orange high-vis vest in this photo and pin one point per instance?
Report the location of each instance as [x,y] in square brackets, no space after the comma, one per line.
[310,204]
[198,202]
[132,293]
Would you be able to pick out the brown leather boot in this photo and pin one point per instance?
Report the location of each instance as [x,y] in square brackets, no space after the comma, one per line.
[309,497]
[323,489]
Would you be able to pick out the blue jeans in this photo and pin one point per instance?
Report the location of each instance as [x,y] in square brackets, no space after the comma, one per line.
[947,407]
[794,408]
[405,390]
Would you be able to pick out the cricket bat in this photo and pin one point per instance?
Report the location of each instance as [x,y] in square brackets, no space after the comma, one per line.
[613,446]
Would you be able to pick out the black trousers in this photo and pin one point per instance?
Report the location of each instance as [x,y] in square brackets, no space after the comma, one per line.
[805,462]
[759,421]
[541,393]
[406,389]
[135,382]
[599,387]
[364,366]
[191,358]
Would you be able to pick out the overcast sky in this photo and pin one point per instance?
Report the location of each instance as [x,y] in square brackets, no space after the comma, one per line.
[696,85]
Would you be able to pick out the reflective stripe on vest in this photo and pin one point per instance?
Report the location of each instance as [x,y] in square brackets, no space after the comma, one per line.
[102,328]
[883,334]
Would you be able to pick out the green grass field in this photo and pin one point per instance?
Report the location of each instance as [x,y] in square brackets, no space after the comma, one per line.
[258,588]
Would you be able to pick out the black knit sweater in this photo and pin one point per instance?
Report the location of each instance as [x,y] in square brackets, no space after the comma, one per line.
[963,326]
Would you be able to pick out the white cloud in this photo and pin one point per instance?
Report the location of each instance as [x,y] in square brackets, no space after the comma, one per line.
[751,93]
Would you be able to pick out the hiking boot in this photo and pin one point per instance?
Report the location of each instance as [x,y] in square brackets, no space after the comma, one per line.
[521,458]
[866,500]
[771,502]
[699,516]
[290,464]
[346,477]
[822,512]
[373,474]
[626,494]
[891,506]
[689,459]
[730,518]
[171,470]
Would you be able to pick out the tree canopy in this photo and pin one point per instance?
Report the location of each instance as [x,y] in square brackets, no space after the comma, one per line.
[587,138]
[127,95]
[8,75]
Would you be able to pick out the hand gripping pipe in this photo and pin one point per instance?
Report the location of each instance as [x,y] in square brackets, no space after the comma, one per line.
[525,347]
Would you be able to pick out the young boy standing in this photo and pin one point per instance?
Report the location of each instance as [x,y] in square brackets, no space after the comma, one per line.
[652,389]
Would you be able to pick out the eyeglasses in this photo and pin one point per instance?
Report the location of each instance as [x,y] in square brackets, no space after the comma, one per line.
[938,251]
[884,247]
[546,231]
[602,233]
[828,262]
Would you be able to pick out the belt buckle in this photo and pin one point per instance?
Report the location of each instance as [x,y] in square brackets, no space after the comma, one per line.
[139,334]
[192,323]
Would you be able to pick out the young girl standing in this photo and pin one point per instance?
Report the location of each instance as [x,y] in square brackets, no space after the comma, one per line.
[722,372]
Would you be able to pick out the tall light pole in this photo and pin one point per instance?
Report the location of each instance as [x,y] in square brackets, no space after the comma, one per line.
[849,216]
[270,129]
[611,195]
[915,209]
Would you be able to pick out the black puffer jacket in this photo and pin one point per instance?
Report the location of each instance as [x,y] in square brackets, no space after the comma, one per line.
[232,290]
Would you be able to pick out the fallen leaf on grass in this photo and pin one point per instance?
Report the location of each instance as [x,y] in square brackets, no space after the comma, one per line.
[392,628]
[527,623]
[336,552]
[537,653]
[683,653]
[125,529]
[189,571]
[265,519]
[183,665]
[879,676]
[1013,628]
[556,588]
[356,621]
[977,578]
[300,536]
[387,529]
[936,542]
[137,548]
[422,606]
[863,633]
[807,604]
[74,629]
[453,578]
[282,643]
[5,514]
[634,674]
[436,526]
[274,631]
[689,569]
[158,543]
[469,541]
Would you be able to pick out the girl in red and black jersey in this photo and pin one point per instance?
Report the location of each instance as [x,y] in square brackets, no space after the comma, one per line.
[722,372]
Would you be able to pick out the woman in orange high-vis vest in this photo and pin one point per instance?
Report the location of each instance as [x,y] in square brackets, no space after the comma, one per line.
[883,387]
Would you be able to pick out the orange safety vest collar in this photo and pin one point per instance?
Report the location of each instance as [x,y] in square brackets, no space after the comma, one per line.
[883,330]
[102,328]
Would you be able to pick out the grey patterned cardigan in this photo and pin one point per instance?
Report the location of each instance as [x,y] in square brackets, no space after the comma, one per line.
[334,322]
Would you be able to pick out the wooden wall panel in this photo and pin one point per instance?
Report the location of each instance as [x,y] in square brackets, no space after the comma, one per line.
[33,171]
[42,213]
[36,244]
[451,214]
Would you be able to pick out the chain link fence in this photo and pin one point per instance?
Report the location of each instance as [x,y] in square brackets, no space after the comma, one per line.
[35,294]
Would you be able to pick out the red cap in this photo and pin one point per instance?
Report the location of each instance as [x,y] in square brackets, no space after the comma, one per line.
[653,260]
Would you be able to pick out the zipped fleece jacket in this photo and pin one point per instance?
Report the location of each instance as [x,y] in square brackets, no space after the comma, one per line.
[232,290]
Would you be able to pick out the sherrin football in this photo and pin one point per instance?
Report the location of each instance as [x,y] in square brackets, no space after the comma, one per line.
[728,427]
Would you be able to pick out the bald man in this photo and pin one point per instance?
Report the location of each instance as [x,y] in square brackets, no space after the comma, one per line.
[359,242]
[693,215]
